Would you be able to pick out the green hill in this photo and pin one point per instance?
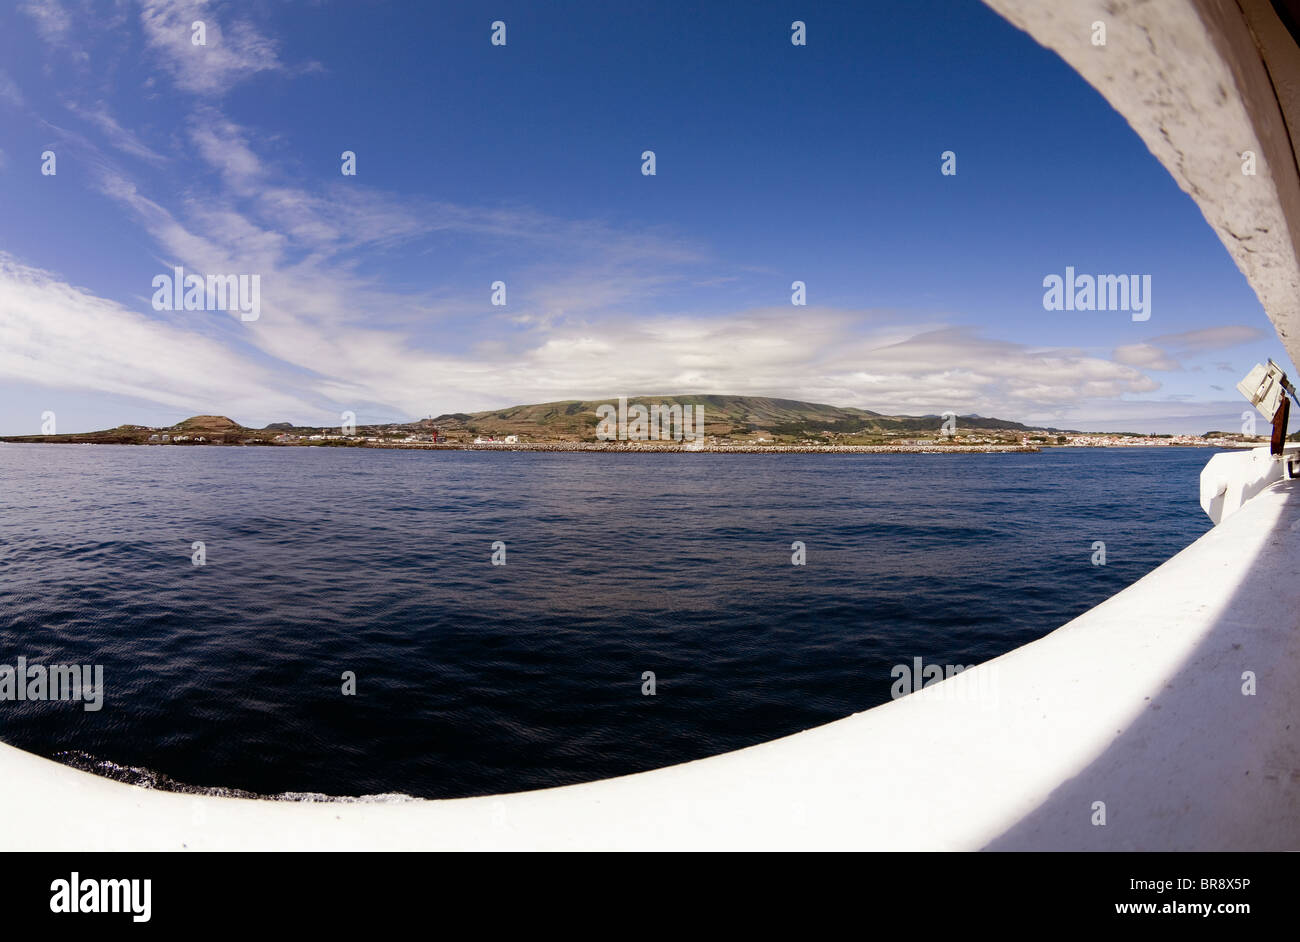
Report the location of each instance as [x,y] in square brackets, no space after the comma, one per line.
[209,423]
[724,416]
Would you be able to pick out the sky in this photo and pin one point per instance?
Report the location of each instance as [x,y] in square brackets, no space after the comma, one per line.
[522,163]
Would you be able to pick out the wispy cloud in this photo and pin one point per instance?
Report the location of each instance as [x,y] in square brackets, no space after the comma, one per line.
[56,335]
[234,51]
[1147,356]
[1167,351]
[9,92]
[50,18]
[116,135]
[585,324]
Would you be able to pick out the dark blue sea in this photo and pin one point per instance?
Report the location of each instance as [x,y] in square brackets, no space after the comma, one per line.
[474,678]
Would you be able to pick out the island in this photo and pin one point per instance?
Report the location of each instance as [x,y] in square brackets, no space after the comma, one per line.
[713,423]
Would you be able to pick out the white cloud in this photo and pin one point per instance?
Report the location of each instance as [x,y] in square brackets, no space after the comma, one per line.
[50,19]
[1209,339]
[9,91]
[224,146]
[1167,351]
[829,358]
[56,335]
[585,325]
[1147,356]
[235,50]
[1172,416]
[118,136]
[230,55]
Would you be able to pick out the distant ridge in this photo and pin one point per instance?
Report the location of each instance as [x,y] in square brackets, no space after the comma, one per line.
[734,419]
[725,416]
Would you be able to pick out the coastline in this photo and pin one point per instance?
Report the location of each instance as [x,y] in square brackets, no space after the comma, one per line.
[660,448]
[593,447]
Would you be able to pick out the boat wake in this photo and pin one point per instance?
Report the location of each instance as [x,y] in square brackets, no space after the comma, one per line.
[148,778]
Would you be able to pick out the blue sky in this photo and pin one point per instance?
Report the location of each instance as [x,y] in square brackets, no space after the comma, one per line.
[522,163]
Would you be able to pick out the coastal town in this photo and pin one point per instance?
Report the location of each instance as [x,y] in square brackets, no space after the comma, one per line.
[397,437]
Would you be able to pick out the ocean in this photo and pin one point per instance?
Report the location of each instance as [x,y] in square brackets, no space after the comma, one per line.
[647,611]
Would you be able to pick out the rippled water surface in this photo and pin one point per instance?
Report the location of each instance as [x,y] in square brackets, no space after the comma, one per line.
[474,678]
